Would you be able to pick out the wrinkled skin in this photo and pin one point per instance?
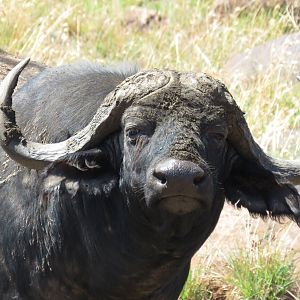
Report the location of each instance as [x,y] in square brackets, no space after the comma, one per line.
[182,134]
[122,220]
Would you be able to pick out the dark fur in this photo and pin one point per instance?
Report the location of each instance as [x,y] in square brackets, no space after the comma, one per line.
[88,227]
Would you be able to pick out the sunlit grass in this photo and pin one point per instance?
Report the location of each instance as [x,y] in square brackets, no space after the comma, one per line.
[260,265]
[189,36]
[263,268]
[264,274]
[195,287]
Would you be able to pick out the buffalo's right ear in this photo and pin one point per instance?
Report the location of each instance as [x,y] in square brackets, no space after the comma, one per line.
[253,186]
[79,162]
[76,190]
[87,171]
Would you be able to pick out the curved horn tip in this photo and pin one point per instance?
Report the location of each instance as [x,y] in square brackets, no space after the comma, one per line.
[10,82]
[20,66]
[24,62]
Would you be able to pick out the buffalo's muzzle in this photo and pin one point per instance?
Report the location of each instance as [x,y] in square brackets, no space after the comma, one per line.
[181,186]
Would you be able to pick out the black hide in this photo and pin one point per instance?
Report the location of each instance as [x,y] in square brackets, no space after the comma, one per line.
[112,222]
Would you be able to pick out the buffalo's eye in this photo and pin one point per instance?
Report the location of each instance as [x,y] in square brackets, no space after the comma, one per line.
[217,136]
[133,134]
[138,131]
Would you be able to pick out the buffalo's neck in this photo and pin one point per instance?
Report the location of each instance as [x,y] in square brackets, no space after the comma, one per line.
[74,245]
[157,260]
[142,261]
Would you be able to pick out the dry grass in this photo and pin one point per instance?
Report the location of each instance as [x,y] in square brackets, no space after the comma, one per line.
[187,35]
[247,256]
[183,35]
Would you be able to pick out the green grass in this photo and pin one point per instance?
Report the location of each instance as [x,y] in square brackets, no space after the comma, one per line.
[259,266]
[263,269]
[195,287]
[249,274]
[190,38]
[263,275]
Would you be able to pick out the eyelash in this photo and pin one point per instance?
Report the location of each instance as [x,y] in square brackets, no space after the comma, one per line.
[131,133]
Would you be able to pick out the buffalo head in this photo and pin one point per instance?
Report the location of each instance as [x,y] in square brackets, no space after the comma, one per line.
[183,138]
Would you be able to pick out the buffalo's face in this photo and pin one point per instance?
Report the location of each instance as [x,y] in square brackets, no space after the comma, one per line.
[174,159]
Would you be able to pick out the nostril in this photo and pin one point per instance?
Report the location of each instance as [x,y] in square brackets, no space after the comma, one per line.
[160,176]
[198,179]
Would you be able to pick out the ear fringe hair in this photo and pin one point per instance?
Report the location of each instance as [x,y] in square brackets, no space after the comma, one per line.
[268,215]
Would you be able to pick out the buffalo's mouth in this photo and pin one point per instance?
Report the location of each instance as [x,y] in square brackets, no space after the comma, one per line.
[180,204]
[178,214]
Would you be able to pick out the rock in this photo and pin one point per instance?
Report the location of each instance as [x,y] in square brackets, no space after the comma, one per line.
[281,56]
[223,7]
[142,17]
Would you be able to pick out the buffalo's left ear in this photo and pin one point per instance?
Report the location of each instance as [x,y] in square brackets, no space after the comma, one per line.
[265,186]
[261,191]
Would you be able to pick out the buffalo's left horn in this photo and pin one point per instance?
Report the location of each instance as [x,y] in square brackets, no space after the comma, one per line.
[35,155]
[106,120]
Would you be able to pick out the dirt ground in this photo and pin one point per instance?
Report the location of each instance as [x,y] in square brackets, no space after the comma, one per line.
[238,230]
[7,62]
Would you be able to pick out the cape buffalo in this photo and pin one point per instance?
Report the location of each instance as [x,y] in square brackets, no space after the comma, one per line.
[112,179]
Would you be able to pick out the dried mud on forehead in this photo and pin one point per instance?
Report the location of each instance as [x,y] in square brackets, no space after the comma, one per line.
[237,230]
